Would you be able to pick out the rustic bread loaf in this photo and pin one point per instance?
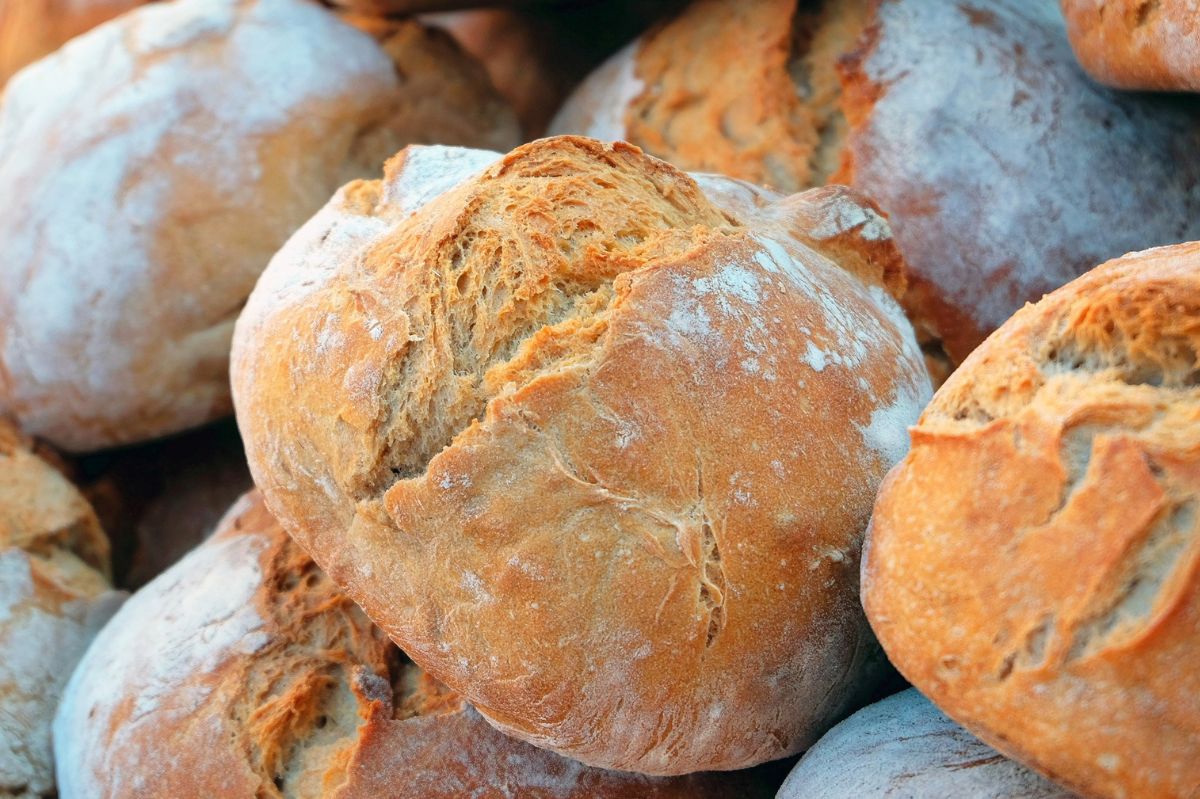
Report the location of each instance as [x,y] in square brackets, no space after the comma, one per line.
[1001,167]
[243,672]
[29,29]
[1137,44]
[903,746]
[594,443]
[1034,563]
[160,160]
[54,595]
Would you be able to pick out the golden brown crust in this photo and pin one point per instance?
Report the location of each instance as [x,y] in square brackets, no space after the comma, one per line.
[1034,563]
[29,29]
[285,689]
[1137,44]
[551,430]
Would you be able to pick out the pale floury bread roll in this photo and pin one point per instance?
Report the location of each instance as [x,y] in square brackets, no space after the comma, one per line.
[31,28]
[243,672]
[1137,44]
[54,595]
[1004,171]
[1034,563]
[595,444]
[160,160]
[904,746]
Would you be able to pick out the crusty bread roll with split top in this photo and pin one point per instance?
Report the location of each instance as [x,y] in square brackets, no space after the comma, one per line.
[160,160]
[594,441]
[1034,563]
[1004,171]
[242,671]
[54,596]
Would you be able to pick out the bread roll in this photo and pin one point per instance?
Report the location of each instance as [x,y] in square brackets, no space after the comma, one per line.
[160,160]
[1034,563]
[593,443]
[244,672]
[1137,44]
[31,28]
[54,595]
[1004,171]
[906,747]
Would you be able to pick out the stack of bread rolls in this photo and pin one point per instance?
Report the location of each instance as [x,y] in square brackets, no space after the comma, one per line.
[702,448]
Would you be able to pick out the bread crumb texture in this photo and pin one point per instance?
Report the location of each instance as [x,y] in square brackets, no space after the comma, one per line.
[594,444]
[160,160]
[242,671]
[54,595]
[905,746]
[1137,44]
[1034,563]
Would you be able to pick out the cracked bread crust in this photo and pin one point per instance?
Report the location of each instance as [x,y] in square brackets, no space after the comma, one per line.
[551,419]
[904,746]
[243,671]
[1034,563]
[161,159]
[1137,44]
[54,595]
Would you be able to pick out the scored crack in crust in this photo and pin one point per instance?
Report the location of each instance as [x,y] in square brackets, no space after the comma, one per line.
[1137,44]
[1034,564]
[54,595]
[244,671]
[161,159]
[551,418]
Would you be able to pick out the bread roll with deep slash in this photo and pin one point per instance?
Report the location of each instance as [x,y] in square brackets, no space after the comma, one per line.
[1033,564]
[594,441]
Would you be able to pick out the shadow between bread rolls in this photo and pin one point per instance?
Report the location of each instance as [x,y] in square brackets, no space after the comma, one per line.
[243,671]
[594,441]
[1033,564]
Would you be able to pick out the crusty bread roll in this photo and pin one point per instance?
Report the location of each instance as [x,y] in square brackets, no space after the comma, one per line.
[160,160]
[1034,563]
[54,595]
[903,746]
[595,444]
[243,672]
[1004,171]
[31,28]
[1137,44]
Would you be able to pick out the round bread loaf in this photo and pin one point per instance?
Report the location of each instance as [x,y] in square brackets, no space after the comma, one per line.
[594,443]
[906,747]
[1034,563]
[1001,167]
[31,28]
[243,672]
[54,595]
[1137,44]
[160,160]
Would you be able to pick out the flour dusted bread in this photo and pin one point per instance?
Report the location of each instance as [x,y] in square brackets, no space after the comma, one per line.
[1137,44]
[1001,167]
[54,595]
[594,443]
[904,746]
[244,672]
[31,28]
[1034,563]
[160,160]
